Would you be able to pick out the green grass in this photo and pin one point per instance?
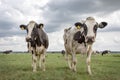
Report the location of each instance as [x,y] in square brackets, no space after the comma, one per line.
[18,67]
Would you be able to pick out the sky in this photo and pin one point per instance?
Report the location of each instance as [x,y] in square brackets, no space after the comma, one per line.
[56,16]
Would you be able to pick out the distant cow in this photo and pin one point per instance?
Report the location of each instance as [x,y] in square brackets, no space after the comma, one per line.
[95,52]
[37,41]
[7,51]
[105,52]
[79,39]
[63,52]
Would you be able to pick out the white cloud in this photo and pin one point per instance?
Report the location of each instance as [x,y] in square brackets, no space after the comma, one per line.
[56,41]
[0,2]
[107,40]
[15,43]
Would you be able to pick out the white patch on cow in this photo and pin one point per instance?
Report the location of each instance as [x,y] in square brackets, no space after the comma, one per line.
[39,49]
[90,23]
[30,28]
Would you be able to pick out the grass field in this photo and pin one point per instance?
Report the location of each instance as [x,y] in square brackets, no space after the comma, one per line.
[18,67]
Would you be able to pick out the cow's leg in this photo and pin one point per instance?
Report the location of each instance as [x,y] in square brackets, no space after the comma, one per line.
[74,61]
[43,60]
[32,58]
[69,60]
[39,59]
[34,61]
[88,60]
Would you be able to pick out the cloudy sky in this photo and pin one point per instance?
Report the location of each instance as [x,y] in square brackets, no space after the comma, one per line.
[57,15]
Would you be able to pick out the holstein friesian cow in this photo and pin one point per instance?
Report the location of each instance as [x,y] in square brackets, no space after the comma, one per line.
[37,41]
[7,51]
[79,39]
[63,52]
[105,52]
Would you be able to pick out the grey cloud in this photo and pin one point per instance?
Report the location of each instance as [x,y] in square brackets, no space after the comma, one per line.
[112,28]
[82,7]
[9,28]
[68,11]
[56,13]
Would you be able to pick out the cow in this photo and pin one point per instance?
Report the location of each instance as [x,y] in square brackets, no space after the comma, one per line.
[63,52]
[7,51]
[79,39]
[38,43]
[105,52]
[95,52]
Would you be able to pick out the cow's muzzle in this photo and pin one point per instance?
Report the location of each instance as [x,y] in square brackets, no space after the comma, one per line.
[28,39]
[90,40]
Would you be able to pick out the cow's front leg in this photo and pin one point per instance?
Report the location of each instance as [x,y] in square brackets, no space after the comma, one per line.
[32,59]
[39,59]
[69,60]
[43,61]
[74,62]
[34,62]
[88,60]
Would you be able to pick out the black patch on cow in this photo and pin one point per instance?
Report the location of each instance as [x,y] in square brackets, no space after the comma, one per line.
[40,25]
[43,38]
[78,24]
[23,26]
[104,23]
[85,29]
[39,37]
[95,28]
[78,36]
[105,52]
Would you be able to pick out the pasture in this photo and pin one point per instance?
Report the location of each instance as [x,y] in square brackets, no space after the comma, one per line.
[18,67]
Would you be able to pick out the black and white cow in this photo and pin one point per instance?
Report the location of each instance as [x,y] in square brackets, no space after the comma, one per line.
[105,52]
[79,39]
[63,52]
[38,43]
[7,51]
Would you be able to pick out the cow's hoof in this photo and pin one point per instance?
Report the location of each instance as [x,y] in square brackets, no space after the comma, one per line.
[74,70]
[70,68]
[89,73]
[44,69]
[34,71]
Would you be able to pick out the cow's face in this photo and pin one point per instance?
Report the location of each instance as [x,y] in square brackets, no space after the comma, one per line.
[90,29]
[31,29]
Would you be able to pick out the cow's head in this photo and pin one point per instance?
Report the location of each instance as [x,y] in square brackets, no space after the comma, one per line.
[31,29]
[90,29]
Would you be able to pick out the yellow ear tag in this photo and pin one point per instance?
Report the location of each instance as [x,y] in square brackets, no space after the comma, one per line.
[78,27]
[22,28]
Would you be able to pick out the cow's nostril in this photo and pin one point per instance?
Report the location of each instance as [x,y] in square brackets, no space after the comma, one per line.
[90,39]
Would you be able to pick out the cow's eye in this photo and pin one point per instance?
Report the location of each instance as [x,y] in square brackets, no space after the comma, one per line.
[95,28]
[85,30]
[27,30]
[85,27]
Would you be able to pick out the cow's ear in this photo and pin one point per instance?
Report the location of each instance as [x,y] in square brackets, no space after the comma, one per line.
[78,25]
[41,25]
[23,27]
[102,24]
